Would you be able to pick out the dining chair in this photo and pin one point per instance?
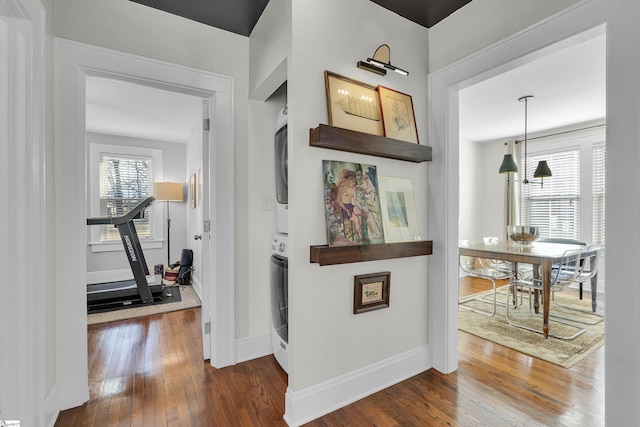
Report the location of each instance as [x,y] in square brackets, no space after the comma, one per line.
[482,270]
[522,270]
[588,268]
[563,275]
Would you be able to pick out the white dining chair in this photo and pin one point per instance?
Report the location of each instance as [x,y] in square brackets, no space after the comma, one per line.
[588,268]
[483,271]
[563,276]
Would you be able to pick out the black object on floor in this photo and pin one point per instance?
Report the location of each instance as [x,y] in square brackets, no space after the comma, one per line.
[168,295]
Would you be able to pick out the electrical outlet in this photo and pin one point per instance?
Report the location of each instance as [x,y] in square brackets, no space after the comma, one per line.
[267,203]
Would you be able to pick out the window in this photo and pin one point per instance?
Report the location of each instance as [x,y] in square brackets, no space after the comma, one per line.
[554,206]
[599,167]
[125,181]
[120,178]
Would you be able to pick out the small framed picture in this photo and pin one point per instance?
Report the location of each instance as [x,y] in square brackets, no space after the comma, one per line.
[352,104]
[397,115]
[371,292]
[199,187]
[398,208]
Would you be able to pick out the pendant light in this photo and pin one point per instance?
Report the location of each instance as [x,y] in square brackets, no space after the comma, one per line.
[509,164]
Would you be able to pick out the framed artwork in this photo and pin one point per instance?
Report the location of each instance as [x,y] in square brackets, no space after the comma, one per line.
[399,215]
[352,204]
[199,187]
[192,190]
[352,104]
[371,292]
[397,115]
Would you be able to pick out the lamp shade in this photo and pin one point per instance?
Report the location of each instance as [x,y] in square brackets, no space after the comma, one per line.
[508,164]
[169,191]
[542,171]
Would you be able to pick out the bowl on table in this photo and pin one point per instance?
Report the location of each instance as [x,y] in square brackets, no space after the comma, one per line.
[523,235]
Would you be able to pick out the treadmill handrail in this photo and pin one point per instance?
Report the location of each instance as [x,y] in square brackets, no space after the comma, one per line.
[134,213]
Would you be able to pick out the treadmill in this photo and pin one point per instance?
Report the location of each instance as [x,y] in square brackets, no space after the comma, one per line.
[144,288]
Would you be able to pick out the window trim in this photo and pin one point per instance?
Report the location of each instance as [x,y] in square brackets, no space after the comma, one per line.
[589,135]
[95,150]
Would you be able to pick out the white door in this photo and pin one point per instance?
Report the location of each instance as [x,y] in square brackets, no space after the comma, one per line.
[206,235]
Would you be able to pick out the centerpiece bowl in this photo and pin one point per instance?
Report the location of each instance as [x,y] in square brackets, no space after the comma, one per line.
[523,235]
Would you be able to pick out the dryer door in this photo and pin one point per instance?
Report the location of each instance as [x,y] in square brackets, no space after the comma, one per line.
[281,157]
[280,296]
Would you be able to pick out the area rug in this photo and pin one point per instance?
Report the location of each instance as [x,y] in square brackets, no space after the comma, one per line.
[565,353]
[188,299]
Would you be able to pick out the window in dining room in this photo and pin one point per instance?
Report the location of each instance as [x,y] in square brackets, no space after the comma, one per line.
[554,206]
[599,166]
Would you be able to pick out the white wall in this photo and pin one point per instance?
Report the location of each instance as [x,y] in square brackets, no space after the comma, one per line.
[326,339]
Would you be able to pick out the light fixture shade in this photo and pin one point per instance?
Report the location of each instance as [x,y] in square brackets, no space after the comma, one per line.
[542,171]
[508,164]
[381,62]
[169,191]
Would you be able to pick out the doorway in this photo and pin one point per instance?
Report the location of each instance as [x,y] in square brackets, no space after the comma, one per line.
[444,180]
[566,119]
[75,62]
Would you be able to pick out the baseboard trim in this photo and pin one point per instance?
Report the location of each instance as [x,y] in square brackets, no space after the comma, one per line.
[253,347]
[197,285]
[302,406]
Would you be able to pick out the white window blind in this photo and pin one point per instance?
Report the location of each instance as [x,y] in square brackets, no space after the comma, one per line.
[125,181]
[555,206]
[599,167]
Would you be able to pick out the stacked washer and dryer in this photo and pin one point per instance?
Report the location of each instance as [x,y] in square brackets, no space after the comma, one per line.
[279,260]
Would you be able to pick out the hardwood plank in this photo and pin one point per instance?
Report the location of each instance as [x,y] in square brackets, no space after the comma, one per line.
[150,372]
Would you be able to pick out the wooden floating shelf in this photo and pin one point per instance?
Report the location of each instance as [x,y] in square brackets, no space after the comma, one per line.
[326,255]
[357,142]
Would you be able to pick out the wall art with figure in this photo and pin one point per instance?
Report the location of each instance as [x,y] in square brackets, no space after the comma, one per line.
[352,204]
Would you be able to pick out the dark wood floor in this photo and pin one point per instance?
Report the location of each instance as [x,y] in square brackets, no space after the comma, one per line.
[150,372]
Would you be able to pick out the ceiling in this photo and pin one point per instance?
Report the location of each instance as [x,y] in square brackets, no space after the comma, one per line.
[116,107]
[568,88]
[240,16]
[567,84]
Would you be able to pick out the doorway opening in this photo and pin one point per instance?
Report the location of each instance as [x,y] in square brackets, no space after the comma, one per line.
[568,84]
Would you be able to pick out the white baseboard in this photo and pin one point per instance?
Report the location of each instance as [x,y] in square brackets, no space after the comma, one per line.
[246,348]
[197,285]
[253,347]
[108,276]
[302,406]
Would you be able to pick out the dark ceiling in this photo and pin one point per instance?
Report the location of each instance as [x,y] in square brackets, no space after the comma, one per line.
[240,16]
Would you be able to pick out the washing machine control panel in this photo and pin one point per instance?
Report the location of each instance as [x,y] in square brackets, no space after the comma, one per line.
[279,245]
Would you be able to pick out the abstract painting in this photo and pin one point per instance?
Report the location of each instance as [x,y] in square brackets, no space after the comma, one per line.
[352,204]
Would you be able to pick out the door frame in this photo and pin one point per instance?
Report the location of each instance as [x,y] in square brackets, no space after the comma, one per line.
[74,62]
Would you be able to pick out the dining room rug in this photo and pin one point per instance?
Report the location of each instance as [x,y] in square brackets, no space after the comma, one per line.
[188,299]
[565,353]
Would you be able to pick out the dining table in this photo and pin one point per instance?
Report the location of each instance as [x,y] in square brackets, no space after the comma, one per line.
[541,254]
